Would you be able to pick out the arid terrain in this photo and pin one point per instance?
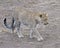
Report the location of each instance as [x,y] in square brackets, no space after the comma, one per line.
[51,33]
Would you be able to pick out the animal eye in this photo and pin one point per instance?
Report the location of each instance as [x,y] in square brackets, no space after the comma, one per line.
[40,15]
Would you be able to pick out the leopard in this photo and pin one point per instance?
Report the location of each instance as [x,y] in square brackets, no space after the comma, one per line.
[29,19]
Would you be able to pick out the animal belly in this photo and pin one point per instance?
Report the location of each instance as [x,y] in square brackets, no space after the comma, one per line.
[27,20]
[29,23]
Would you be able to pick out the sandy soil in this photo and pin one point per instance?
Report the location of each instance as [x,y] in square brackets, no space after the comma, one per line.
[51,33]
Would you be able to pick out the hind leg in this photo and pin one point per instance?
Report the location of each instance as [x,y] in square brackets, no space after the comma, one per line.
[19,30]
[19,33]
[31,33]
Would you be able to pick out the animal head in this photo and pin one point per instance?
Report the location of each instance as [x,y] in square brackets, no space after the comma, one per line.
[44,18]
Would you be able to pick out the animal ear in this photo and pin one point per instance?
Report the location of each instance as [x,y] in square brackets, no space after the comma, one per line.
[46,14]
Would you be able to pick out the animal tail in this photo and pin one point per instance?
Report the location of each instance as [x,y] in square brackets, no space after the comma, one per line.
[12,25]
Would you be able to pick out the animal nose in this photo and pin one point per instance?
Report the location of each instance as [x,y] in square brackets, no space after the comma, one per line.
[46,23]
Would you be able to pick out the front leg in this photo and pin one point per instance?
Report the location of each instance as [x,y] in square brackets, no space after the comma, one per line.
[37,35]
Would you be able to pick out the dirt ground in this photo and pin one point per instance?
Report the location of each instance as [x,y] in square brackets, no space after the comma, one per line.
[51,33]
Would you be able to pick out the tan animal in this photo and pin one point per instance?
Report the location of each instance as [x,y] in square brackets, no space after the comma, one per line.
[29,19]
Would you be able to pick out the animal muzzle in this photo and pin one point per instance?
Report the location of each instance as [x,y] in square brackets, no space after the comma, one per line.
[46,23]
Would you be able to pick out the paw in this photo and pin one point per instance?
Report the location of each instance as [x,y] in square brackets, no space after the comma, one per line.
[40,39]
[20,36]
